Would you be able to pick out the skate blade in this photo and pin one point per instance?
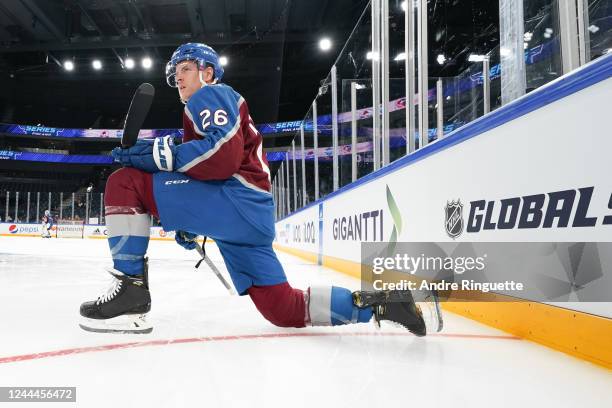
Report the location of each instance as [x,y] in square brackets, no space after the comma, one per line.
[127,324]
[432,313]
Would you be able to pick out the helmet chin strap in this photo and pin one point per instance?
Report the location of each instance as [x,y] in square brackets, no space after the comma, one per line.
[202,82]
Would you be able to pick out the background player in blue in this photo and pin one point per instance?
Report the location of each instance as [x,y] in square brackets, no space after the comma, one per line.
[217,183]
[47,224]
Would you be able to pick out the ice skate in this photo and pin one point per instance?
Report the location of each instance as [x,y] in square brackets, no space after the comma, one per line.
[45,232]
[122,308]
[397,306]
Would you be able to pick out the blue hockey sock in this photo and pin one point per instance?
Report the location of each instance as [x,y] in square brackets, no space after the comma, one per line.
[128,253]
[128,239]
[332,305]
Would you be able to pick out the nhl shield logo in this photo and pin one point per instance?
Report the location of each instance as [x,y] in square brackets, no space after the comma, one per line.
[454,218]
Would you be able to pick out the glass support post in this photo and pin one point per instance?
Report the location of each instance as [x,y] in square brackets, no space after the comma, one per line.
[423,74]
[439,109]
[385,125]
[334,107]
[303,165]
[315,143]
[353,131]
[376,82]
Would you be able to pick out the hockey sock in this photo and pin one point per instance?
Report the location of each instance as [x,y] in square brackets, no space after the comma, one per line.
[127,202]
[332,305]
[128,239]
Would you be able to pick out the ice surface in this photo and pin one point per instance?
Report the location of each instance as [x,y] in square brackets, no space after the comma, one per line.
[210,349]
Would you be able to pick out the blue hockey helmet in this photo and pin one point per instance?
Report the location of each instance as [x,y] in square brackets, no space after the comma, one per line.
[200,53]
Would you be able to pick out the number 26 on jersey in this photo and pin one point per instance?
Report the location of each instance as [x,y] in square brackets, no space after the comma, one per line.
[219,118]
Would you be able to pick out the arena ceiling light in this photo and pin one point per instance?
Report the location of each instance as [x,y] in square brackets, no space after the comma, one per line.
[129,63]
[325,44]
[68,65]
[548,32]
[414,3]
[372,55]
[400,57]
[223,60]
[441,59]
[593,28]
[147,63]
[97,64]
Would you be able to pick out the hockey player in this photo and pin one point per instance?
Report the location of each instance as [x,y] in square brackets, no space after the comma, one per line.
[217,183]
[47,224]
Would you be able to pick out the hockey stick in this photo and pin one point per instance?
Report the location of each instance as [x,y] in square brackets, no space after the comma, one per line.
[139,108]
[210,264]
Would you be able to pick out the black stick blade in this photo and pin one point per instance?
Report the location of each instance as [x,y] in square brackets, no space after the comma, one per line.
[139,108]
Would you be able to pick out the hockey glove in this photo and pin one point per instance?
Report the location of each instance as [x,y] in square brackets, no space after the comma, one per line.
[148,155]
[186,239]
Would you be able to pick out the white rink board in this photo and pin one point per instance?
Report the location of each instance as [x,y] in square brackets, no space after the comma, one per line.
[90,231]
[9,229]
[564,145]
[300,231]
